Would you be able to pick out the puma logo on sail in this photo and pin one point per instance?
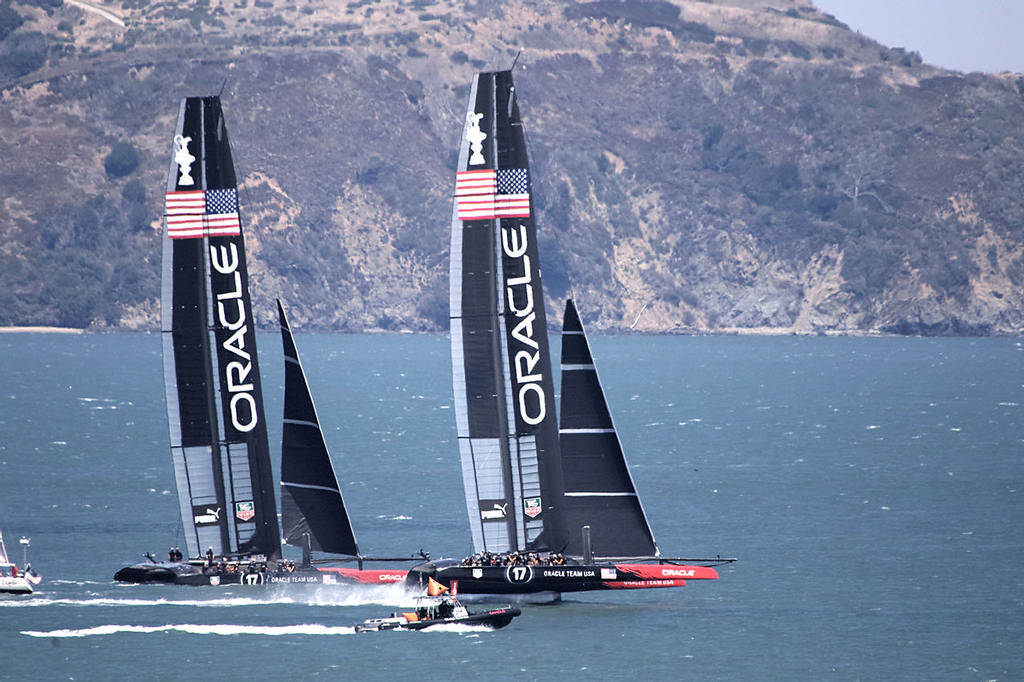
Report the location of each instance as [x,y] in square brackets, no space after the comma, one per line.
[497,513]
[207,516]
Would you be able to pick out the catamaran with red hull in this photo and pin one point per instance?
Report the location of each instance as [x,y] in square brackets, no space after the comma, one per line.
[551,510]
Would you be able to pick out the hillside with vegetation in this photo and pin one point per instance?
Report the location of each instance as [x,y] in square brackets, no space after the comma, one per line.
[699,166]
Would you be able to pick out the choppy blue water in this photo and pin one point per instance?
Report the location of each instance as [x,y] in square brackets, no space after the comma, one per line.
[873,490]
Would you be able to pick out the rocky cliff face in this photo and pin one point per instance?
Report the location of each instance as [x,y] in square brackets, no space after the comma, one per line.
[721,166]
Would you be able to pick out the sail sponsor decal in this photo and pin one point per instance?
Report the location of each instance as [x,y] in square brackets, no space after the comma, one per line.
[531,403]
[245,511]
[236,342]
[205,515]
[532,507]
[486,194]
[202,213]
[491,510]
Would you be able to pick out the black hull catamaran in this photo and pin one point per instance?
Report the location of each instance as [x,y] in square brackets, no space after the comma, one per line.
[550,511]
[218,426]
[437,608]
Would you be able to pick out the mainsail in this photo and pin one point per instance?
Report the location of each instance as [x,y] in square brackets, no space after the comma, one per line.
[313,512]
[214,398]
[504,396]
[599,490]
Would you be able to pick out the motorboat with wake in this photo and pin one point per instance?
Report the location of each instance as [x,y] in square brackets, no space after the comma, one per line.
[431,611]
[551,509]
[438,608]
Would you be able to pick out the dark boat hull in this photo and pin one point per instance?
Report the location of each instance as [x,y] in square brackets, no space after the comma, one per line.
[492,619]
[524,580]
[184,573]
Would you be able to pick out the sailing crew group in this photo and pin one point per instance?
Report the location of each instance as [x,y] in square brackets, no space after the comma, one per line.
[514,559]
[227,565]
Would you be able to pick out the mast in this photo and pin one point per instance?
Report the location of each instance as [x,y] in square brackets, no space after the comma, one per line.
[501,366]
[599,490]
[211,371]
[313,512]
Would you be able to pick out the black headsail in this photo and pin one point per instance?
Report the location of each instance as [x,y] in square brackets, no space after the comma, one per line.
[504,396]
[313,512]
[599,490]
[214,398]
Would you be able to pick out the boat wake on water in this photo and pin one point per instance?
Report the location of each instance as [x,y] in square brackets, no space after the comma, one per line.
[311,595]
[226,630]
[197,629]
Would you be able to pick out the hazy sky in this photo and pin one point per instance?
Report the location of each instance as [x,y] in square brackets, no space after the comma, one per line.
[965,35]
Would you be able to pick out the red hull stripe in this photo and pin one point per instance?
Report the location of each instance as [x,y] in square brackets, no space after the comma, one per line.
[367,576]
[667,572]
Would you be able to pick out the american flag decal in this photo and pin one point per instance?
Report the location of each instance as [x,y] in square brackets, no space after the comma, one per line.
[483,194]
[199,213]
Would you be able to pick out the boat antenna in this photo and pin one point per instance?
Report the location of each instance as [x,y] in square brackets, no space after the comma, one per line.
[513,67]
[222,86]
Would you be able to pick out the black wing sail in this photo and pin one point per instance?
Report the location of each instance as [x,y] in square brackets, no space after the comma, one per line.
[211,372]
[501,365]
[312,508]
[599,490]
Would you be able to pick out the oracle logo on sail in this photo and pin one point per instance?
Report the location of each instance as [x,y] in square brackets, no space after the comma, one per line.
[231,316]
[530,394]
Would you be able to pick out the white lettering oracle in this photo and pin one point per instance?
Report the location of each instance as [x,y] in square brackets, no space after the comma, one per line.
[242,407]
[531,401]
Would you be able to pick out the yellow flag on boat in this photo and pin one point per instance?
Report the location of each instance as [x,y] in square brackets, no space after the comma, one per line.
[435,588]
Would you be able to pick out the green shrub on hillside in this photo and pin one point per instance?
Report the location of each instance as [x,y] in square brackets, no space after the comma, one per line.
[122,160]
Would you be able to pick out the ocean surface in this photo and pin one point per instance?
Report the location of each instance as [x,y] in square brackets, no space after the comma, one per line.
[872,489]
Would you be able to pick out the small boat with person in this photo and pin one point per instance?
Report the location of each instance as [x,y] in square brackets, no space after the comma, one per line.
[12,579]
[437,608]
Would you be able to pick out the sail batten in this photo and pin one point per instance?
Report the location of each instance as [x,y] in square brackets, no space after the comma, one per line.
[211,371]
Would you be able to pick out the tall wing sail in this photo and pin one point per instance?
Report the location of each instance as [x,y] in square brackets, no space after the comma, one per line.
[211,373]
[501,365]
[599,490]
[311,502]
